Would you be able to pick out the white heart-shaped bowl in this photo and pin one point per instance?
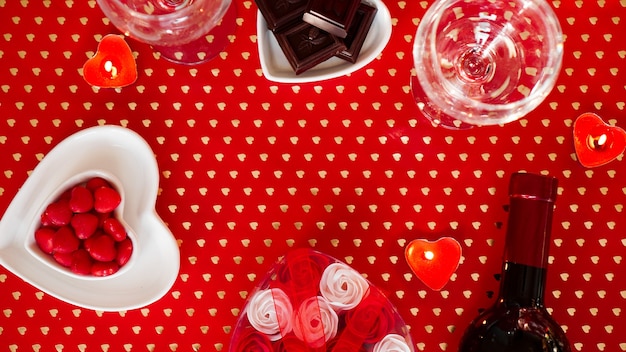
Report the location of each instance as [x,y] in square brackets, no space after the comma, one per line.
[126,160]
[276,68]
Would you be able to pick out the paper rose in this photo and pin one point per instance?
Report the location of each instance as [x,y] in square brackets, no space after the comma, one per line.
[291,343]
[372,319]
[252,341]
[269,311]
[392,343]
[315,322]
[342,286]
[342,344]
[302,269]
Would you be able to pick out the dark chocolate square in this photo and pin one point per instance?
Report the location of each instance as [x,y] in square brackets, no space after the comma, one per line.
[305,46]
[281,13]
[358,32]
[333,16]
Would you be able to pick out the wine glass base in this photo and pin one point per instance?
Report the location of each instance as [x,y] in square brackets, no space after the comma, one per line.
[432,113]
[207,46]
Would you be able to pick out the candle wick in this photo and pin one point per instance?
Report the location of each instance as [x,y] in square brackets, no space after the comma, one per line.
[109,67]
[429,255]
[597,142]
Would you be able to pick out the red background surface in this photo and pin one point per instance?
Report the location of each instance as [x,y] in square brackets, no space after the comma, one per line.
[251,169]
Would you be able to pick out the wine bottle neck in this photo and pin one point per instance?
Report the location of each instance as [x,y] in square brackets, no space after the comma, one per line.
[527,239]
[528,232]
[522,285]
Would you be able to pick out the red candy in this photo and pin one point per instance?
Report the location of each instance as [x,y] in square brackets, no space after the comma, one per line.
[81,262]
[64,259]
[114,228]
[101,247]
[81,200]
[124,250]
[84,224]
[104,268]
[57,213]
[79,231]
[106,199]
[95,183]
[65,241]
[43,237]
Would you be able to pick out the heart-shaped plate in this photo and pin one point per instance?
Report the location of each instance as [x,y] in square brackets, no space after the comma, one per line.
[276,68]
[124,158]
[310,301]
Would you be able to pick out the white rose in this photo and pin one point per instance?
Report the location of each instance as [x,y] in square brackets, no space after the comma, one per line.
[392,343]
[342,286]
[315,322]
[270,312]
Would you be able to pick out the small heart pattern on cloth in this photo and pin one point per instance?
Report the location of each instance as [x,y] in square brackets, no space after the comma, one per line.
[113,65]
[310,301]
[596,142]
[434,262]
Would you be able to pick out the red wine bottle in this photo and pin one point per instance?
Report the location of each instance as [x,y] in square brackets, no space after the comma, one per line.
[518,321]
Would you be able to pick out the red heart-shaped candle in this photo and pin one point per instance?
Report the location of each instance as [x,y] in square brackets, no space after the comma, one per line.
[113,65]
[596,142]
[434,262]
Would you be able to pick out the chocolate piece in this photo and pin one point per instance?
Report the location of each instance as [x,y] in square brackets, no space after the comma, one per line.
[333,16]
[358,32]
[280,14]
[305,46]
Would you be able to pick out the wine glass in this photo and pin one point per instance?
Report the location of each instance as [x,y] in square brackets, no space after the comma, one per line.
[182,31]
[484,62]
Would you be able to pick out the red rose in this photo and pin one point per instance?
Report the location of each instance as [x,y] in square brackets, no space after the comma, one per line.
[250,340]
[299,274]
[315,322]
[303,268]
[372,319]
[290,343]
[344,344]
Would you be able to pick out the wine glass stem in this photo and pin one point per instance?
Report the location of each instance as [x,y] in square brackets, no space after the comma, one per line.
[474,66]
[176,4]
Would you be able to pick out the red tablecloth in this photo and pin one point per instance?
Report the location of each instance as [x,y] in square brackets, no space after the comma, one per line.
[251,169]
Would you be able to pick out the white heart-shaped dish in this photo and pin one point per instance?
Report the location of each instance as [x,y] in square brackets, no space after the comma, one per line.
[123,157]
[276,68]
